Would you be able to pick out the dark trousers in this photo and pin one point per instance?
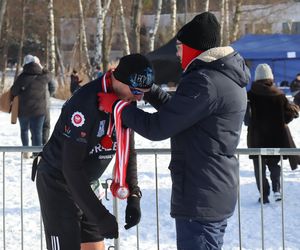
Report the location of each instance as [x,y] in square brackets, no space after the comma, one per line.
[46,127]
[35,125]
[196,235]
[274,168]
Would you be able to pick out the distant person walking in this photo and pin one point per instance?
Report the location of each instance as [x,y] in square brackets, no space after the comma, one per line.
[269,113]
[32,88]
[75,82]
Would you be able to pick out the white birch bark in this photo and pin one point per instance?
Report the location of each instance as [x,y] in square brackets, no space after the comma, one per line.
[51,37]
[123,26]
[84,39]
[226,23]
[222,10]
[206,8]
[173,17]
[155,26]
[2,13]
[136,25]
[236,20]
[100,28]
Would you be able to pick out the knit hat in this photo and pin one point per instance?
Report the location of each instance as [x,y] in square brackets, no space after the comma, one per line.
[263,71]
[202,33]
[28,59]
[135,70]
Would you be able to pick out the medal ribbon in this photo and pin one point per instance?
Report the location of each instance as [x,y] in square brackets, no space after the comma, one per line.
[119,187]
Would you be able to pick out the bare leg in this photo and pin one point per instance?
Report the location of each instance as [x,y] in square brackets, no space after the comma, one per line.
[93,245]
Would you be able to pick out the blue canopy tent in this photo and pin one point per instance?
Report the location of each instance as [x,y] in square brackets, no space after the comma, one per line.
[280,51]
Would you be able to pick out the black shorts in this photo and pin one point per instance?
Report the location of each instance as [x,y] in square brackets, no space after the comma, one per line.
[65,225]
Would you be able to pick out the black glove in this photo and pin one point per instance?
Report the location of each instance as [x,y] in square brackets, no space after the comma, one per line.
[133,212]
[108,225]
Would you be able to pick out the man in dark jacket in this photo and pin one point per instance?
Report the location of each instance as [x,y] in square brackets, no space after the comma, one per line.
[32,87]
[79,150]
[270,112]
[295,89]
[204,119]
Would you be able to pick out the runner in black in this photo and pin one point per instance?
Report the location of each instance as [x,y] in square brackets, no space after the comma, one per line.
[80,148]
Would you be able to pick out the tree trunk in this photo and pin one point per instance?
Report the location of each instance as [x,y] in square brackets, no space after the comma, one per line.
[222,10]
[123,25]
[226,24]
[51,38]
[173,17]
[236,20]
[136,25]
[20,53]
[4,53]
[155,26]
[88,69]
[108,41]
[61,64]
[100,28]
[206,8]
[2,13]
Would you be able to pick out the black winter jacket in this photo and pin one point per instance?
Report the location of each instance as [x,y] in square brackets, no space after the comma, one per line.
[74,153]
[204,119]
[32,87]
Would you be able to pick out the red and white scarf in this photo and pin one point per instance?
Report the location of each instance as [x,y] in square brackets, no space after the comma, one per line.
[119,187]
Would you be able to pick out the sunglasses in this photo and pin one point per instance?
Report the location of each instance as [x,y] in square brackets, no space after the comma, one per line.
[136,91]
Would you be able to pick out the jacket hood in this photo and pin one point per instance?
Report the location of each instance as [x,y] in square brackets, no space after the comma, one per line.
[226,61]
[32,69]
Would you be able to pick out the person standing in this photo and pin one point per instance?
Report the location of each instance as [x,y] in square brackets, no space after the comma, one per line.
[269,113]
[32,88]
[75,81]
[79,150]
[295,89]
[204,119]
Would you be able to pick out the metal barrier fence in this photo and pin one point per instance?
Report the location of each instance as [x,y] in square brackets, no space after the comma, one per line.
[251,151]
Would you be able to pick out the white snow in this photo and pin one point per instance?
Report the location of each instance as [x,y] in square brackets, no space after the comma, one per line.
[250,208]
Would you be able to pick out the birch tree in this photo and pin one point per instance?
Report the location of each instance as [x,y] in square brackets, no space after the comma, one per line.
[137,6]
[123,26]
[173,17]
[107,38]
[21,45]
[226,23]
[51,39]
[2,13]
[222,13]
[84,39]
[155,26]
[206,6]
[236,20]
[100,27]
[4,52]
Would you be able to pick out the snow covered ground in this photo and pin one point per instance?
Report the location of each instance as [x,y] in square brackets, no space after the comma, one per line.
[250,208]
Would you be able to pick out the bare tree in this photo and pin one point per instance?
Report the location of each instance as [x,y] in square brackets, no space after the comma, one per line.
[84,40]
[123,25]
[236,20]
[226,24]
[20,53]
[137,6]
[155,26]
[107,38]
[2,13]
[100,27]
[4,52]
[222,13]
[173,17]
[51,39]
[206,8]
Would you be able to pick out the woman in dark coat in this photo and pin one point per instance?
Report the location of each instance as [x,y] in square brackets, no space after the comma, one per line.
[32,88]
[270,112]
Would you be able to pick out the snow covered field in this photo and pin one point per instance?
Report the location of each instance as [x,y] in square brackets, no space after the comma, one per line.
[250,208]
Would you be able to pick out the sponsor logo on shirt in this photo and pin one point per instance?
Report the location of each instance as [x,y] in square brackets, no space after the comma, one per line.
[77,119]
[67,131]
[101,128]
[98,149]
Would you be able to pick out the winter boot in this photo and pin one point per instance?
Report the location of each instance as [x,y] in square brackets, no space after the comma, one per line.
[277,196]
[265,200]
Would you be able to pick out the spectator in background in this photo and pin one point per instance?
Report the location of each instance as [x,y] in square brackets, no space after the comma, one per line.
[75,82]
[52,86]
[32,88]
[295,89]
[98,72]
[269,113]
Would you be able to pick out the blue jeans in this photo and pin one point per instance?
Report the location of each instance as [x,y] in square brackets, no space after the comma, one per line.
[196,235]
[35,125]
